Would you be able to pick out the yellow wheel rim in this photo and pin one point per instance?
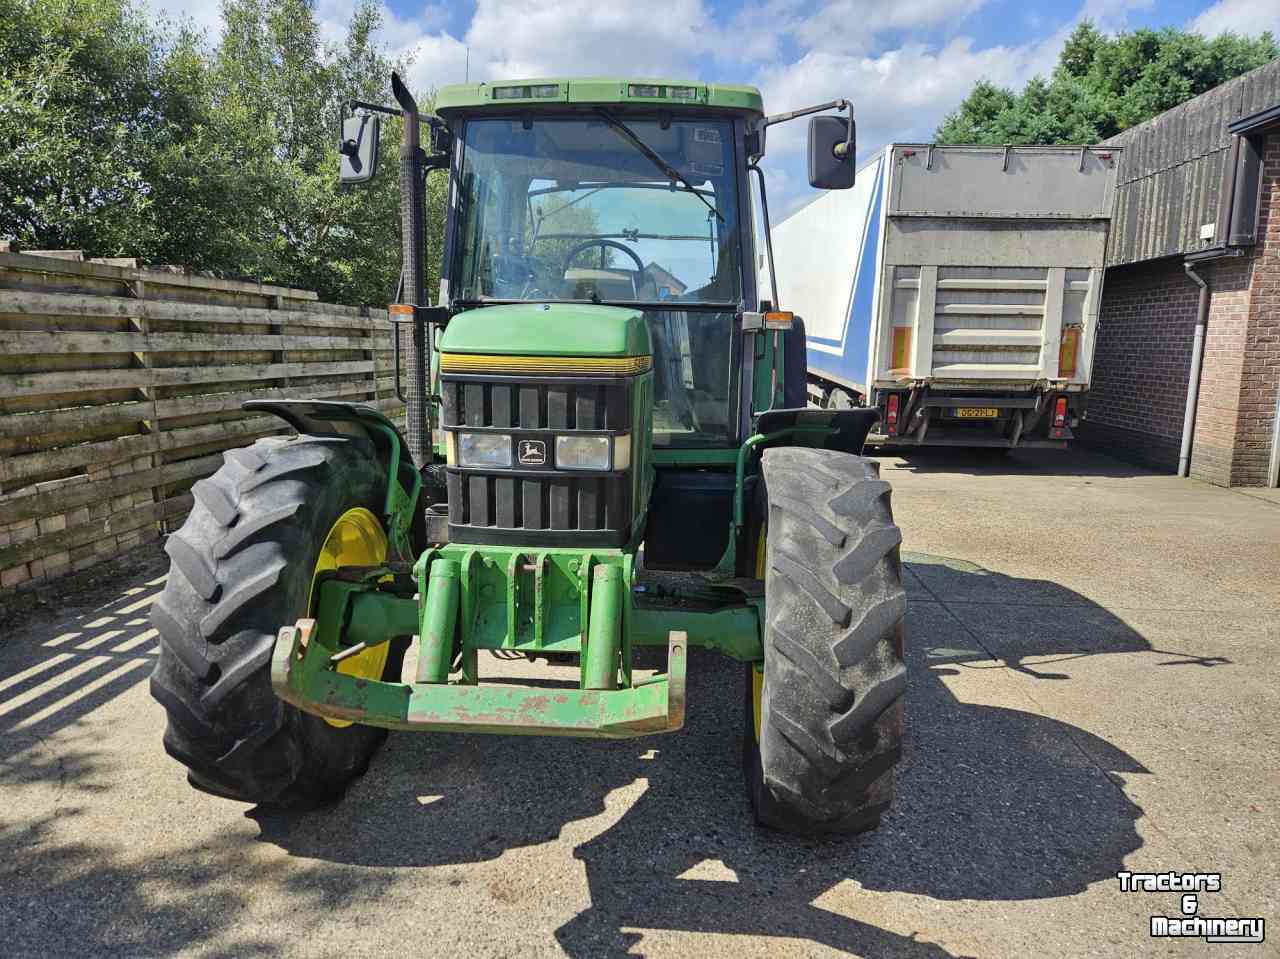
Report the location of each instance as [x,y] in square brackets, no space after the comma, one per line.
[757,669]
[355,539]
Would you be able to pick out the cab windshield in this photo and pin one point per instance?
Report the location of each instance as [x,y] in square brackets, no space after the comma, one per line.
[598,208]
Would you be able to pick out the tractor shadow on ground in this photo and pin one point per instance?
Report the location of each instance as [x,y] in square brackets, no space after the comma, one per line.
[993,803]
[1076,460]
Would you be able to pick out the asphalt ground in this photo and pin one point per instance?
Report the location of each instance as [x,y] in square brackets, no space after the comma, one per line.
[1094,689]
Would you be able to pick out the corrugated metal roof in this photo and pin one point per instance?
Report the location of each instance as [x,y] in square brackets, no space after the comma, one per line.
[1172,167]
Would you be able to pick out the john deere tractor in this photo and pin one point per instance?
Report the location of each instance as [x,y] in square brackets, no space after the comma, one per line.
[606,448]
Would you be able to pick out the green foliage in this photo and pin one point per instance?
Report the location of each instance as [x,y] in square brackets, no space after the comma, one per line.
[125,140]
[552,214]
[1103,85]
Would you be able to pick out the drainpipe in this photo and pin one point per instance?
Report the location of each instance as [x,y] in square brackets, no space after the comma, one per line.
[1273,465]
[1197,362]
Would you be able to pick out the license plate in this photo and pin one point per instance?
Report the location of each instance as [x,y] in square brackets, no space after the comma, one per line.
[976,412]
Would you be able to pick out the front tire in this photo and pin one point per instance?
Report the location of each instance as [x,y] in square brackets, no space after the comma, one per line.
[823,720]
[242,566]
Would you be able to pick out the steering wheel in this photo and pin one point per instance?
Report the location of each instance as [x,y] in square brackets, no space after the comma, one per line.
[613,244]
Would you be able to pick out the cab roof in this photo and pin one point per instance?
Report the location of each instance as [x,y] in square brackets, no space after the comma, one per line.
[507,95]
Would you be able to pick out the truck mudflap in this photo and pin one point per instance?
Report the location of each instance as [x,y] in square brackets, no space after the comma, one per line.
[653,706]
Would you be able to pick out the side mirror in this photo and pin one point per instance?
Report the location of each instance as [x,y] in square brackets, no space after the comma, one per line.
[831,152]
[358,149]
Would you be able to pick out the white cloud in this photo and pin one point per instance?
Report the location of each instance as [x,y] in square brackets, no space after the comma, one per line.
[1249,17]
[397,32]
[901,94]
[206,16]
[1111,16]
[438,60]
[837,48]
[521,40]
[678,38]
[529,38]
[852,26]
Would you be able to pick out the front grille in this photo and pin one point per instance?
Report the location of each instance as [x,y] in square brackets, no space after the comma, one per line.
[549,404]
[496,500]
[538,505]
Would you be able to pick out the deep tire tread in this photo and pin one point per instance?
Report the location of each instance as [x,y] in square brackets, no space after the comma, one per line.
[240,569]
[834,676]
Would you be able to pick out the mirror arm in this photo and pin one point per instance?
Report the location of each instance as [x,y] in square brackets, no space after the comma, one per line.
[842,149]
[350,106]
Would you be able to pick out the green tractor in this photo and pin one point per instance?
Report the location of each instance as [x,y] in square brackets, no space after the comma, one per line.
[606,448]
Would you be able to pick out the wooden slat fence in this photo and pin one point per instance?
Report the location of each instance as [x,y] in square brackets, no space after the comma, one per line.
[120,387]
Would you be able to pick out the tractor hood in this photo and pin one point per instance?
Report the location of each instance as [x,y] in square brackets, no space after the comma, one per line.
[548,329]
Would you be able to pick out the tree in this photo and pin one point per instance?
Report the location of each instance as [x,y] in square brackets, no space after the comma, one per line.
[94,109]
[127,140]
[1103,85]
[281,96]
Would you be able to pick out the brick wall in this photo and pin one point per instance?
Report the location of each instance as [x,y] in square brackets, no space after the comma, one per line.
[1138,388]
[1143,357]
[1213,445]
[1260,365]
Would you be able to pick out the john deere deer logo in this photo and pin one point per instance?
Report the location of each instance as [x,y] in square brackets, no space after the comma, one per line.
[532,453]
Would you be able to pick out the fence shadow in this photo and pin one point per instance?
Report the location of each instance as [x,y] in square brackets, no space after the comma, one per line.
[993,803]
[85,897]
[61,664]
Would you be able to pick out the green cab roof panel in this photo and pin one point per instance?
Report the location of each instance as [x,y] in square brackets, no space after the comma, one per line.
[548,329]
[550,92]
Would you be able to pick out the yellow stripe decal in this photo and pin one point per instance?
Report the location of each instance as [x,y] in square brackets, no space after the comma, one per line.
[901,358]
[1068,351]
[545,365]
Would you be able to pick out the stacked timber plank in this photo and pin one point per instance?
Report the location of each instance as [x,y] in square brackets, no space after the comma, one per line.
[121,387]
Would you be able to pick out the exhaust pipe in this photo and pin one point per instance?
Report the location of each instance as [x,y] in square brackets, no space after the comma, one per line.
[413,258]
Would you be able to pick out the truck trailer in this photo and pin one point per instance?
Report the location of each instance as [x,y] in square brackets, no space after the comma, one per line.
[956,289]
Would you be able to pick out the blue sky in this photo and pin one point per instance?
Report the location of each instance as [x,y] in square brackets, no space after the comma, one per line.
[904,63]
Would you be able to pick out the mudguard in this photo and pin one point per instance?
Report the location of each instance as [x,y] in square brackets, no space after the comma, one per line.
[357,421]
[849,427]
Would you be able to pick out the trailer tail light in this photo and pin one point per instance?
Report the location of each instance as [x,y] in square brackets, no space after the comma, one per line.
[891,412]
[1068,351]
[1060,412]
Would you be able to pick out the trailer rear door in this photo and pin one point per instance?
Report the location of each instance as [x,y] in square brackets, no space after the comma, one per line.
[993,264]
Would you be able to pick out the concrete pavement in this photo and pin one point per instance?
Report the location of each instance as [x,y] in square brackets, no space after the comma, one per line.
[1094,653]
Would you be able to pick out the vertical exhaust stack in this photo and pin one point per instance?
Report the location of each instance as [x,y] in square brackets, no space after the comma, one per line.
[414,264]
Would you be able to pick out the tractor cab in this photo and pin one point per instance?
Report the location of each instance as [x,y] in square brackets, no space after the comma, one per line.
[600,397]
[614,207]
[640,201]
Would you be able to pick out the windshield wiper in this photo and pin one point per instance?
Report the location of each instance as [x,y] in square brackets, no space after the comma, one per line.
[668,170]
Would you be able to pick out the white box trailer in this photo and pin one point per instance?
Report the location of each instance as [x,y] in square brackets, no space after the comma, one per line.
[956,288]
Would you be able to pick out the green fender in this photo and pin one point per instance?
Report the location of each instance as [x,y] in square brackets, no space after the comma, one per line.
[331,418]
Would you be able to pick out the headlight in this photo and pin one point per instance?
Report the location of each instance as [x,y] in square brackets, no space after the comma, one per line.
[484,449]
[582,452]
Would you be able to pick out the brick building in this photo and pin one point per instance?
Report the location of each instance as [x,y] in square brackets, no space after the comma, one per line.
[1198,199]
